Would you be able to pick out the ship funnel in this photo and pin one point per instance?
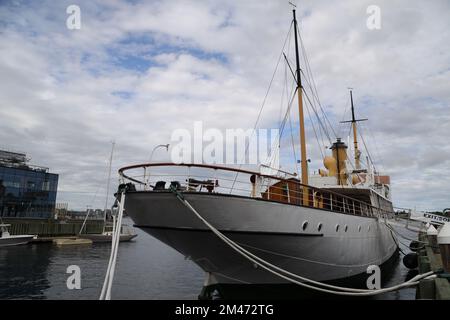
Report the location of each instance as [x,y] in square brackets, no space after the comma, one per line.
[339,150]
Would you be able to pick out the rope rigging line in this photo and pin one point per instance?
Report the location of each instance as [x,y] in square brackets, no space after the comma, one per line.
[377,152]
[288,94]
[283,125]
[341,125]
[317,115]
[316,96]
[297,170]
[281,103]
[272,155]
[361,135]
[109,276]
[397,241]
[284,274]
[322,127]
[315,133]
[402,236]
[367,150]
[307,80]
[264,101]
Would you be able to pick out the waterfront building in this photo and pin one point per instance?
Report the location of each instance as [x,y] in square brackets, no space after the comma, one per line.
[26,191]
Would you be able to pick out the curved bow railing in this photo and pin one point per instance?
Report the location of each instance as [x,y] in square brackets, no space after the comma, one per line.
[283,188]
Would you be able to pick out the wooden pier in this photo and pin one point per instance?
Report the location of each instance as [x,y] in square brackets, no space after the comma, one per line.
[429,259]
[45,228]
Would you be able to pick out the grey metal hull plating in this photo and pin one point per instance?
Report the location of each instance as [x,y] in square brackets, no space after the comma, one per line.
[272,231]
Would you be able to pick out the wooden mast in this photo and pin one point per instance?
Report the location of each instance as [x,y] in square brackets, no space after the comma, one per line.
[355,136]
[304,160]
[355,133]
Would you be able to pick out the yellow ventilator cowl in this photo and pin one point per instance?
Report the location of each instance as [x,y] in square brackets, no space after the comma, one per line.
[356,179]
[344,175]
[330,163]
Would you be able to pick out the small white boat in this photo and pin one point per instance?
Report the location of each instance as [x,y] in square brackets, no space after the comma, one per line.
[126,234]
[8,240]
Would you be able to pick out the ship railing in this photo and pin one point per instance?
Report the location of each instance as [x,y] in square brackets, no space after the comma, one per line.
[228,180]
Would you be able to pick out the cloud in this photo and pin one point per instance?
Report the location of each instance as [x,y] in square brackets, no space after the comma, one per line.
[137,70]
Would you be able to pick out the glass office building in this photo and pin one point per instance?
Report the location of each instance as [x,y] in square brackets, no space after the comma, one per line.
[25,190]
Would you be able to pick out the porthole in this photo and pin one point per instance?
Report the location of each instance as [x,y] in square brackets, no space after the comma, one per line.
[304,225]
[319,227]
[337,228]
[346,228]
[368,228]
[359,228]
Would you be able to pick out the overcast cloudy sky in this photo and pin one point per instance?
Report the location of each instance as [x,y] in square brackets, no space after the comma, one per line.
[137,70]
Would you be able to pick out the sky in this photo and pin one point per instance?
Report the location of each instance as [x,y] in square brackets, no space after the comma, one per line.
[136,71]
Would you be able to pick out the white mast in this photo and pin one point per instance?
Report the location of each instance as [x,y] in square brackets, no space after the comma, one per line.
[107,185]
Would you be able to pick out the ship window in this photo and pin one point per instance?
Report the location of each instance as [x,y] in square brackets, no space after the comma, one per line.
[359,228]
[337,228]
[368,228]
[346,228]
[319,227]
[285,190]
[305,225]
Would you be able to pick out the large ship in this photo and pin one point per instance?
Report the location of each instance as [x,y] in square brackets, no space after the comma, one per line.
[329,226]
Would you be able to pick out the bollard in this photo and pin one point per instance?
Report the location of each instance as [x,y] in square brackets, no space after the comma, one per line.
[443,240]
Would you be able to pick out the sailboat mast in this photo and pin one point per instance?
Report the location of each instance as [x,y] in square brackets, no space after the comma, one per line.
[304,160]
[355,135]
[107,185]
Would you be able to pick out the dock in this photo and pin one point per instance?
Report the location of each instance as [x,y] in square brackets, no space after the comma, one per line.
[49,239]
[429,259]
[71,242]
[51,228]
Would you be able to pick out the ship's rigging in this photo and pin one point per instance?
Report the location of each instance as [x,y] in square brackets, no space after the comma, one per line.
[299,81]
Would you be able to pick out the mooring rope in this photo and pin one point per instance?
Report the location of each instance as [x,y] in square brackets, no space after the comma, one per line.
[402,236]
[109,276]
[288,275]
[397,242]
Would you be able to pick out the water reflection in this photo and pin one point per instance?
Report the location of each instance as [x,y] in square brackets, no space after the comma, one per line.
[146,269]
[297,292]
[23,271]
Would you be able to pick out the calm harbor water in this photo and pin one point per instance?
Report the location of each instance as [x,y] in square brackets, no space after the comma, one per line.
[146,269]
